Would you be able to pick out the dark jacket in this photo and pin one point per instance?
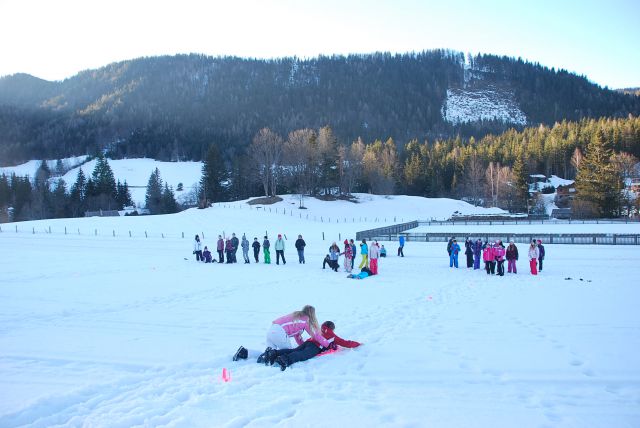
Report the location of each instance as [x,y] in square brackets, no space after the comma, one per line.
[235,241]
[256,246]
[300,244]
[512,252]
[266,244]
[541,251]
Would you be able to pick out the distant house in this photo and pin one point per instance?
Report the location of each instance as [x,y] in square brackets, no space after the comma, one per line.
[565,194]
[561,213]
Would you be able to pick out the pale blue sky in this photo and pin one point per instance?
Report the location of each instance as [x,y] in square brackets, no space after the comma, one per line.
[54,39]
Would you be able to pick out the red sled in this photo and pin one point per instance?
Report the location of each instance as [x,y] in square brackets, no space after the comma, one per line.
[327,352]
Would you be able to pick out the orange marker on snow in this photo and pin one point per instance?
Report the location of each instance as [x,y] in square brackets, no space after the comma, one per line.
[226,375]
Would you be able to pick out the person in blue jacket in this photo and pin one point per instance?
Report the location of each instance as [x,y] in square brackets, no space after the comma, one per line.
[453,258]
[401,247]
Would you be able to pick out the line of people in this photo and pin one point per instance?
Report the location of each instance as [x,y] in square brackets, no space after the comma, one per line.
[370,254]
[494,254]
[229,247]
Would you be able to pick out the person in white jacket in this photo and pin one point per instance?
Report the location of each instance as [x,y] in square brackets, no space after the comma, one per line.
[533,257]
[374,254]
[197,249]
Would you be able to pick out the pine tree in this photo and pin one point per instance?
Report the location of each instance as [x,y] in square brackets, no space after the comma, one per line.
[520,185]
[78,194]
[153,198]
[169,204]
[598,184]
[214,175]
[123,196]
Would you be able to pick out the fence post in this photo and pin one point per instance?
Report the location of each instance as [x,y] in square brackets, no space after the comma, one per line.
[114,233]
[145,234]
[182,235]
[96,232]
[129,234]
[65,230]
[323,236]
[34,230]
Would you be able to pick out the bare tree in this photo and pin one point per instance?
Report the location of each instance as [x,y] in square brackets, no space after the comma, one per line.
[474,176]
[266,153]
[353,168]
[300,158]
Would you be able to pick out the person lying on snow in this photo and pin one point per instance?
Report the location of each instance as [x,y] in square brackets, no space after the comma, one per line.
[309,349]
[365,272]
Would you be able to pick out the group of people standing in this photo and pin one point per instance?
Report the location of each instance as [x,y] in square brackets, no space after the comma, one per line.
[227,248]
[370,254]
[494,254]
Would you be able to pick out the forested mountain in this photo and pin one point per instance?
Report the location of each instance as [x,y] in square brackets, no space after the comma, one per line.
[175,107]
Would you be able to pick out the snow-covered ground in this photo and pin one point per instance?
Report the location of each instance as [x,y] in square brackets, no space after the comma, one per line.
[131,331]
[471,105]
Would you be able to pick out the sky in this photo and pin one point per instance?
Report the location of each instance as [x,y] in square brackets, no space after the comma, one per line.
[54,40]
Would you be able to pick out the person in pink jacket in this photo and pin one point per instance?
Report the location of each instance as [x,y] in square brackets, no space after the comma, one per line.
[500,253]
[285,327]
[489,257]
[292,325]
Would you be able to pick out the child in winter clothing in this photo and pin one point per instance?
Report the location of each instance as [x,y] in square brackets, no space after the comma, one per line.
[353,251]
[477,252]
[540,254]
[453,254]
[512,256]
[197,249]
[309,349]
[374,253]
[256,249]
[300,244]
[364,252]
[383,252]
[235,243]
[489,257]
[267,254]
[468,251]
[401,247]
[348,256]
[533,258]
[245,248]
[220,249]
[228,248]
[279,245]
[499,252]
[364,273]
[292,325]
[206,255]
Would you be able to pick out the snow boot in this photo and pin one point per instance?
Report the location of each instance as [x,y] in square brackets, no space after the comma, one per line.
[281,362]
[271,357]
[262,359]
[241,354]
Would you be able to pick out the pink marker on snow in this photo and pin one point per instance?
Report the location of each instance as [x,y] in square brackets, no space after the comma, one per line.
[226,375]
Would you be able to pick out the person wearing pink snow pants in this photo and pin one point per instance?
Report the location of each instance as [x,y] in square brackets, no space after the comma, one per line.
[533,258]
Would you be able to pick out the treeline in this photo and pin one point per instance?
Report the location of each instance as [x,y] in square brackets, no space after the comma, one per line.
[173,107]
[492,171]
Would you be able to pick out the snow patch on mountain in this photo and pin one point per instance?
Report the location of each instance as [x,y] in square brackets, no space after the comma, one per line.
[473,105]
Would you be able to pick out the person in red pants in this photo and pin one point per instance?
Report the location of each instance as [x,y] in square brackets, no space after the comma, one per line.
[533,257]
[374,254]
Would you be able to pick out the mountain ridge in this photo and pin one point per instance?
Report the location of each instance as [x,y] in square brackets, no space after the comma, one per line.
[173,107]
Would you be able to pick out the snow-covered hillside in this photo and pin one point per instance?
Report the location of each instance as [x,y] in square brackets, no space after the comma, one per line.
[471,105]
[135,172]
[127,331]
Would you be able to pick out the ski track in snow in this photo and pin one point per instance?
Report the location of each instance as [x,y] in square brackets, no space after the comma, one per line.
[124,332]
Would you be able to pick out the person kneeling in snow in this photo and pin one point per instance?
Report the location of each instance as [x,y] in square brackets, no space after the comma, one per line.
[365,272]
[309,349]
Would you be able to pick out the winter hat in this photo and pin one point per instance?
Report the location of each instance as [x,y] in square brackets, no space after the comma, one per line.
[279,236]
[539,241]
[511,241]
[346,242]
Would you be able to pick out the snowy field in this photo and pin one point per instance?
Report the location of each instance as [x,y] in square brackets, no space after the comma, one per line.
[104,331]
